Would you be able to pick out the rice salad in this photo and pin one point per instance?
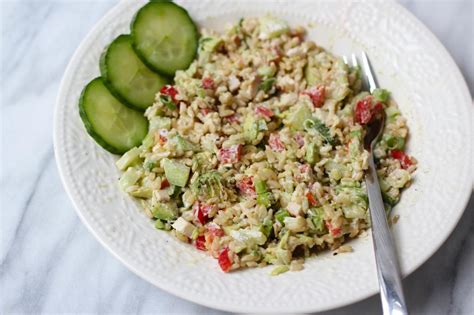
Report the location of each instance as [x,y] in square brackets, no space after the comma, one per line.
[255,154]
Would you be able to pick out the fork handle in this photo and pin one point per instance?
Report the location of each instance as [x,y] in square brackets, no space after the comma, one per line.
[388,269]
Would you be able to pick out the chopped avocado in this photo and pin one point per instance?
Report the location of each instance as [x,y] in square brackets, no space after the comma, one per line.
[250,128]
[249,237]
[159,122]
[279,270]
[183,144]
[312,154]
[142,192]
[176,172]
[311,72]
[271,27]
[160,225]
[165,211]
[129,158]
[300,113]
[129,178]
[209,185]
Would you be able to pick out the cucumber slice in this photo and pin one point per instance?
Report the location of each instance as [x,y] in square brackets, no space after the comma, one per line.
[113,126]
[127,77]
[164,36]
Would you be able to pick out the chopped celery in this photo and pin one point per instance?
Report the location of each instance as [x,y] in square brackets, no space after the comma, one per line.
[165,211]
[281,214]
[298,116]
[260,186]
[271,27]
[267,85]
[266,71]
[394,143]
[312,153]
[149,141]
[160,225]
[266,227]
[176,173]
[264,199]
[279,270]
[381,95]
[129,178]
[322,129]
[129,158]
[149,165]
[160,122]
[297,224]
[317,217]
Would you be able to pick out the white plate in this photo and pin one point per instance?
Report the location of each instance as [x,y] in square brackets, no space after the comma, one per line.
[409,61]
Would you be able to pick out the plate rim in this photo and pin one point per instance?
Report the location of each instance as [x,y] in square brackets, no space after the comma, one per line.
[66,80]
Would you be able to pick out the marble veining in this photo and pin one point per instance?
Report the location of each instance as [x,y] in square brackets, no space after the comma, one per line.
[50,263]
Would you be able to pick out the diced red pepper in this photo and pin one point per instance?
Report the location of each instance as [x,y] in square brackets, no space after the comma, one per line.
[246,186]
[275,142]
[335,231]
[299,138]
[265,112]
[230,155]
[224,261]
[363,114]
[160,137]
[201,211]
[404,159]
[233,118]
[201,242]
[311,199]
[170,91]
[364,110]
[317,95]
[164,184]
[207,83]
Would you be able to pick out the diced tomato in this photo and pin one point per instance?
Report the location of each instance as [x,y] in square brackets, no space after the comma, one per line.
[207,83]
[335,231]
[233,118]
[299,138]
[230,155]
[201,242]
[404,159]
[224,261]
[317,95]
[246,186]
[311,199]
[170,91]
[363,114]
[164,184]
[275,142]
[265,112]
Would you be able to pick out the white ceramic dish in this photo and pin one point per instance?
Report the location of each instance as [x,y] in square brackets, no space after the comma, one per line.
[408,60]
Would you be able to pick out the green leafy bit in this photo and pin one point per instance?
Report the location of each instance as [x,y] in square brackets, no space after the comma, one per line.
[322,129]
[210,185]
[267,85]
[393,142]
[317,217]
[168,101]
[281,214]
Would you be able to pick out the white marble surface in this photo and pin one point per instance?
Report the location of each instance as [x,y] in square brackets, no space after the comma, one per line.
[49,262]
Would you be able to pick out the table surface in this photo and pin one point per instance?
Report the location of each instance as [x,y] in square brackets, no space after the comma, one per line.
[50,263]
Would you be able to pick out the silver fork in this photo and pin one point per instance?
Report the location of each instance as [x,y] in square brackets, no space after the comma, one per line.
[388,269]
